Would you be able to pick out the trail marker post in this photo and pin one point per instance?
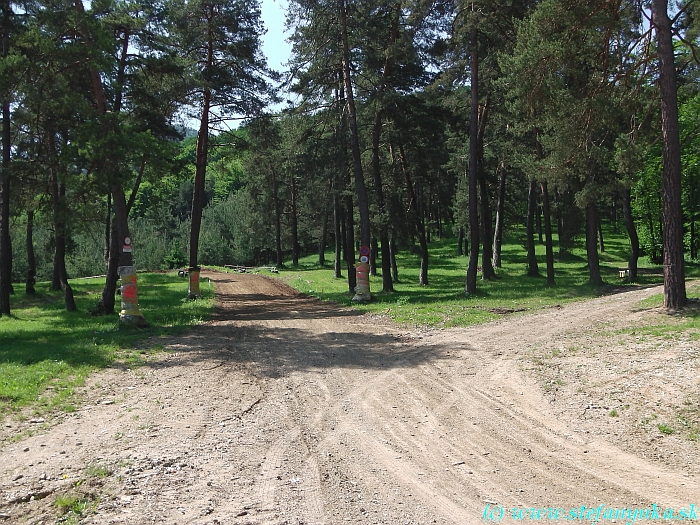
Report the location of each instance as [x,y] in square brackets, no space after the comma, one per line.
[362,292]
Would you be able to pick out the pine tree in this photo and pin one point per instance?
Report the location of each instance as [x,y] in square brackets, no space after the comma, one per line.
[674,268]
[220,40]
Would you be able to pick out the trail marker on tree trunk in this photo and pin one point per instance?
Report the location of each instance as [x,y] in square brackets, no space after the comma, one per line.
[362,292]
[193,290]
[130,314]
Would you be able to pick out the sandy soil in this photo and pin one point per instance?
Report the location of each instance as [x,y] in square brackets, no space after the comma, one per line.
[285,410]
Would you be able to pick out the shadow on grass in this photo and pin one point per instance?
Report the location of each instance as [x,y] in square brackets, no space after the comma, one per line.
[42,330]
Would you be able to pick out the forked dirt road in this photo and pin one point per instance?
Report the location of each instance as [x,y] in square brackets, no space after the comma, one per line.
[285,410]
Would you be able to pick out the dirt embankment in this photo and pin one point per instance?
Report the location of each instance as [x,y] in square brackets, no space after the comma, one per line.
[286,410]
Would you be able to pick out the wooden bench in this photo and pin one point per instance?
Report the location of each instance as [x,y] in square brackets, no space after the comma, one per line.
[246,269]
[624,272]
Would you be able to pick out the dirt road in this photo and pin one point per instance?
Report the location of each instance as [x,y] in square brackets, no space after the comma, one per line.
[285,410]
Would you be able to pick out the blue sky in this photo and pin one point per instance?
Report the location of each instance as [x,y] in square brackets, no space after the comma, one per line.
[274,46]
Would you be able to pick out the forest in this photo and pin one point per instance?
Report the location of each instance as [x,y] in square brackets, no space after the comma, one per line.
[158,124]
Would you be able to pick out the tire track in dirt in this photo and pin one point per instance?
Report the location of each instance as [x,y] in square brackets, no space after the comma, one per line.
[283,409]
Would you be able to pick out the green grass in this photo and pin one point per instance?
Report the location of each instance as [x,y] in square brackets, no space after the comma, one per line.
[73,508]
[97,470]
[665,429]
[685,323]
[443,302]
[46,352]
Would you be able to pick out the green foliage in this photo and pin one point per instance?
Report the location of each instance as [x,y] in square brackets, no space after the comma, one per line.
[98,470]
[176,258]
[73,508]
[46,352]
[573,75]
[443,304]
[665,429]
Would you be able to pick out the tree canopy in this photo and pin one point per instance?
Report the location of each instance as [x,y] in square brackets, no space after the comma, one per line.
[158,120]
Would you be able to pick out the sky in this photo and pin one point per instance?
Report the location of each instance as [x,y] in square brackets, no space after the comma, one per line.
[274,46]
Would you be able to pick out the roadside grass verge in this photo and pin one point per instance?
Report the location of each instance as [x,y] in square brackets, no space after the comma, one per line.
[443,302]
[683,324]
[46,352]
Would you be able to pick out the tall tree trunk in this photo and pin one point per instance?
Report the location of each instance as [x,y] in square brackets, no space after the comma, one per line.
[426,210]
[500,209]
[337,187]
[532,268]
[422,207]
[470,285]
[560,223]
[350,243]
[323,241]
[5,243]
[632,233]
[341,160]
[549,245]
[121,214]
[114,255]
[108,227]
[337,221]
[58,197]
[339,218]
[201,160]
[294,222]
[487,271]
[601,242]
[136,186]
[360,190]
[394,268]
[387,283]
[374,245]
[674,270]
[592,245]
[385,243]
[31,259]
[120,229]
[460,241]
[106,304]
[279,256]
[417,221]
[438,208]
[546,210]
[202,152]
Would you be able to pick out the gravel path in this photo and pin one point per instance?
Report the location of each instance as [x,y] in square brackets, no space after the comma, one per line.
[285,410]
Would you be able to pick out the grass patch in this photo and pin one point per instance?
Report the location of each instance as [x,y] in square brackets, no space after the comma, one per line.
[47,352]
[98,470]
[443,302]
[73,508]
[685,323]
[665,429]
